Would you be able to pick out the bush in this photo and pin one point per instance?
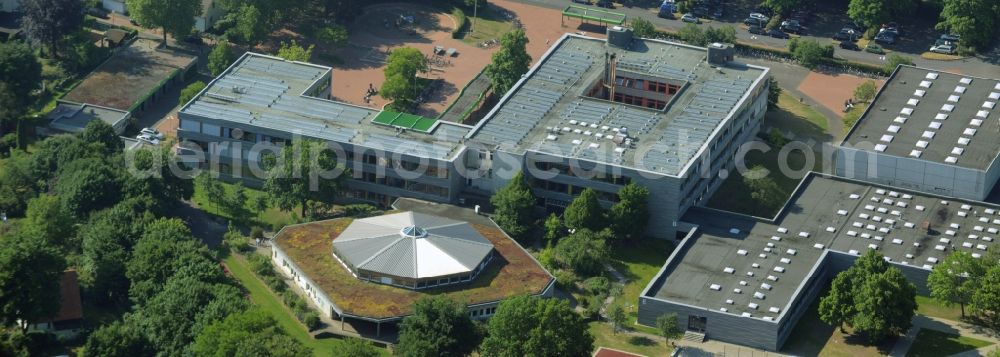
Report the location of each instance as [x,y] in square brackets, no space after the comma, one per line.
[592,310]
[774,23]
[597,285]
[333,35]
[233,239]
[260,265]
[460,22]
[256,233]
[777,140]
[7,143]
[566,280]
[360,210]
[191,91]
[311,320]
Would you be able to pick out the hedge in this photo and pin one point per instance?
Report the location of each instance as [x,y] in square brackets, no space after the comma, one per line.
[460,22]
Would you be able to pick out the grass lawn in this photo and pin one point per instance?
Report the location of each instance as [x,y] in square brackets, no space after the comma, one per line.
[734,195]
[488,25]
[638,263]
[271,217]
[853,116]
[930,307]
[940,56]
[931,343]
[604,336]
[265,299]
[800,118]
[813,337]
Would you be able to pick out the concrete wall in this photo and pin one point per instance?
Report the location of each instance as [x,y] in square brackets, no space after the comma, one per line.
[213,12]
[914,174]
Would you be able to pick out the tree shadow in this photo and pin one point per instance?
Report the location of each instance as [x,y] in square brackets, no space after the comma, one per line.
[641,341]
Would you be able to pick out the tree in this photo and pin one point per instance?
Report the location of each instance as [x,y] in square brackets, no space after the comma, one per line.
[553,228]
[19,70]
[117,339]
[529,326]
[293,52]
[809,53]
[865,92]
[99,131]
[773,93]
[400,72]
[643,28]
[175,17]
[584,251]
[512,206]
[220,58]
[251,27]
[87,185]
[974,20]
[305,171]
[30,273]
[618,318]
[49,21]
[166,247]
[48,220]
[234,203]
[211,188]
[724,34]
[183,309]
[667,326]
[355,347]
[510,62]
[872,296]
[781,6]
[18,184]
[192,89]
[986,300]
[260,204]
[955,279]
[692,34]
[764,190]
[150,176]
[894,60]
[585,212]
[437,327]
[871,13]
[107,239]
[630,215]
[332,35]
[226,338]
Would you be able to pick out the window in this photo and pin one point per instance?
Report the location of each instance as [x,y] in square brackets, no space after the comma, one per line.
[640,84]
[190,125]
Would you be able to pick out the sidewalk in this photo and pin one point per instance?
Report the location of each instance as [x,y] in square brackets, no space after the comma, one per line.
[948,326]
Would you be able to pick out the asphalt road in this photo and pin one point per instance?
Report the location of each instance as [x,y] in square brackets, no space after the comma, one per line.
[825,23]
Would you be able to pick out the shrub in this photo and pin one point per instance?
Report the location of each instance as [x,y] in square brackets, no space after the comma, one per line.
[191,91]
[460,22]
[333,35]
[597,285]
[360,210]
[233,239]
[256,233]
[566,280]
[7,143]
[774,136]
[592,310]
[311,320]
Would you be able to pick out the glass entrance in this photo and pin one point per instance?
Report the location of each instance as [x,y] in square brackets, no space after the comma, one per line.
[697,323]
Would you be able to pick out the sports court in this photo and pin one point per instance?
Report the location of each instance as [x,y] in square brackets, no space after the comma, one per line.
[405,121]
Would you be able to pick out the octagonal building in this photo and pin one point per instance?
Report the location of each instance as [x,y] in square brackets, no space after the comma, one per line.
[412,250]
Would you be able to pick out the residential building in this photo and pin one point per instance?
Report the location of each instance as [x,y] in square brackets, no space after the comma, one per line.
[210,12]
[930,131]
[748,280]
[68,322]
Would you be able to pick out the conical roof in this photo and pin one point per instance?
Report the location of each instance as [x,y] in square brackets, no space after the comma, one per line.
[412,245]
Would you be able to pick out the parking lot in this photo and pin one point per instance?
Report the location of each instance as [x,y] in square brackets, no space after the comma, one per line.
[918,33]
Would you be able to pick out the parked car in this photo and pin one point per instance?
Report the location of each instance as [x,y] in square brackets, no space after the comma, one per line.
[848,45]
[585,2]
[951,38]
[98,12]
[873,48]
[754,22]
[152,133]
[759,16]
[945,49]
[606,4]
[148,139]
[778,34]
[885,38]
[847,34]
[717,14]
[757,30]
[689,17]
[667,9]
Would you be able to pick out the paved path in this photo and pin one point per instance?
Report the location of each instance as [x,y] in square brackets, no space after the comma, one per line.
[947,326]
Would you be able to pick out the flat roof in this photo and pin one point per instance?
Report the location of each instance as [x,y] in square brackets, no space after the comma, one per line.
[310,246]
[934,116]
[548,112]
[71,117]
[825,214]
[130,75]
[270,92]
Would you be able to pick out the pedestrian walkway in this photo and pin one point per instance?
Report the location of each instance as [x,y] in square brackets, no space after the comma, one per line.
[953,327]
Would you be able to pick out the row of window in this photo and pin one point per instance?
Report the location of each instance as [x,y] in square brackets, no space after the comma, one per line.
[647,85]
[564,169]
[572,190]
[408,185]
[640,101]
[490,311]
